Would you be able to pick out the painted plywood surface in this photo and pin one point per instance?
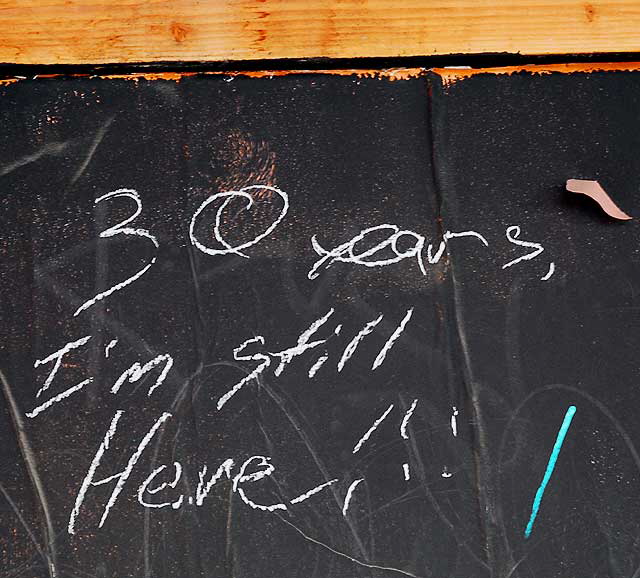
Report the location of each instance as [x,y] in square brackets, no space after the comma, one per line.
[319,325]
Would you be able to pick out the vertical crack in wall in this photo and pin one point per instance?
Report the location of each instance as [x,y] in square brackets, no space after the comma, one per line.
[489,512]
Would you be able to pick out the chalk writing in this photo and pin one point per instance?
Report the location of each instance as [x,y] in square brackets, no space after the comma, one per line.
[244,194]
[121,229]
[329,346]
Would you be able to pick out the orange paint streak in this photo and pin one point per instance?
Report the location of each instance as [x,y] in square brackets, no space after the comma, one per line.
[448,75]
[451,75]
[177,76]
[391,74]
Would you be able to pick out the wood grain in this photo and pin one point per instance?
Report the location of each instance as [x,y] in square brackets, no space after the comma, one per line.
[110,31]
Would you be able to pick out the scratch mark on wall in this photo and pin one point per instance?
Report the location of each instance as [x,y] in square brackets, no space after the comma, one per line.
[32,469]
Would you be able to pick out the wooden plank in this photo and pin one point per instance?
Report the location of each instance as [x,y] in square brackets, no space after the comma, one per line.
[110,31]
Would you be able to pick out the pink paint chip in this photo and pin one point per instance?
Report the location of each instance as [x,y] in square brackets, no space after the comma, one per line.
[594,190]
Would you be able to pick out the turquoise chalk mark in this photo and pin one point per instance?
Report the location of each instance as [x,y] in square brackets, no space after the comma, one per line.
[553,458]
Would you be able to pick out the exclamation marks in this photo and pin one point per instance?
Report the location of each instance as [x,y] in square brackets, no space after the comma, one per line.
[347,499]
[454,421]
[370,431]
[405,435]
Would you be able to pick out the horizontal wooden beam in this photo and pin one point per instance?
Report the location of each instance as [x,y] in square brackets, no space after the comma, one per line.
[126,31]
